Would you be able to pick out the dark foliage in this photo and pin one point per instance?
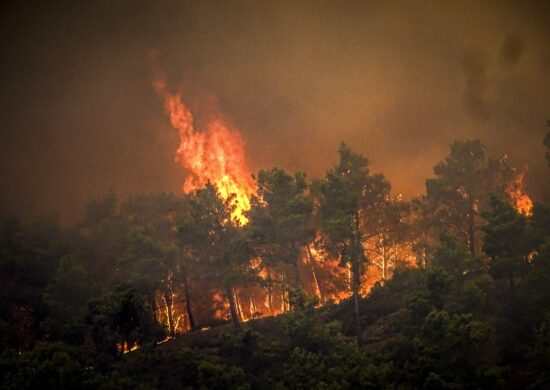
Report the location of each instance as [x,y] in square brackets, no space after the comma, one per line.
[474,314]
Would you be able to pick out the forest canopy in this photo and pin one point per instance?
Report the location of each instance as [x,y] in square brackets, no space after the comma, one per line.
[331,283]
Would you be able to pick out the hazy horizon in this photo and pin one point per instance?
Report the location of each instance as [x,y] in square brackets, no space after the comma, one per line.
[398,81]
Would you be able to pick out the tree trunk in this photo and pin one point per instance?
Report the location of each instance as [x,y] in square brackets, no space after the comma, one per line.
[312,264]
[233,308]
[253,310]
[190,317]
[169,312]
[239,305]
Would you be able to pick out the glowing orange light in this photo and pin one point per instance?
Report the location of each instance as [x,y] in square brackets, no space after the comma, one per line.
[124,348]
[521,201]
[214,154]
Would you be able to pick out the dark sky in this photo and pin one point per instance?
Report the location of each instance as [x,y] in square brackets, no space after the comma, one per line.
[397,80]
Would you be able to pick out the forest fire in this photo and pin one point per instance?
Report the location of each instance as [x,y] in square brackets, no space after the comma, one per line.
[283,195]
[215,154]
[521,201]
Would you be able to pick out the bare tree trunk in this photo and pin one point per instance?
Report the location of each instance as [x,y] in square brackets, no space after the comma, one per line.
[312,263]
[253,309]
[233,308]
[190,317]
[168,301]
[239,305]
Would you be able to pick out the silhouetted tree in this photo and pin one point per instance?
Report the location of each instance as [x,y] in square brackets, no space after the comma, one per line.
[505,241]
[341,196]
[456,191]
[161,263]
[218,243]
[281,221]
[118,320]
[461,189]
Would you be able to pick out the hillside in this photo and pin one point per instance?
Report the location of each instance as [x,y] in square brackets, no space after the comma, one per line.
[423,329]
[334,284]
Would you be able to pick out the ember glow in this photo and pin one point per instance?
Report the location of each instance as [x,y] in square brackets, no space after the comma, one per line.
[214,154]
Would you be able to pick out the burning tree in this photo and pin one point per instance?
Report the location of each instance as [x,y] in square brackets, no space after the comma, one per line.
[153,258]
[506,242]
[384,226]
[460,184]
[462,187]
[218,243]
[341,196]
[281,222]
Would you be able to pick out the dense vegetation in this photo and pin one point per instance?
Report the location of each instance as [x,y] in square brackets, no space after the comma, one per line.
[473,311]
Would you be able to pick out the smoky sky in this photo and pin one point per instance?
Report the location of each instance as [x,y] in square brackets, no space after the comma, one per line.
[396,80]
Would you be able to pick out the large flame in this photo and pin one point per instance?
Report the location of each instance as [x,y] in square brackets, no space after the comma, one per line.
[516,191]
[214,154]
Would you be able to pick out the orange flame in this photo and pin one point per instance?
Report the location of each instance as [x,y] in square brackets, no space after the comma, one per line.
[215,154]
[521,201]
